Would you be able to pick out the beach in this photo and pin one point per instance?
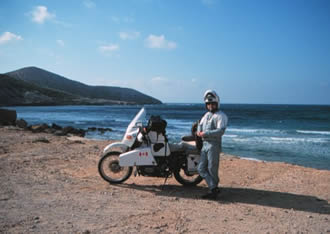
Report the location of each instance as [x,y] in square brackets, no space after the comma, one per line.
[50,184]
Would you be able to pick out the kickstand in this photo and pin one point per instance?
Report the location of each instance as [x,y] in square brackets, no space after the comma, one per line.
[165,182]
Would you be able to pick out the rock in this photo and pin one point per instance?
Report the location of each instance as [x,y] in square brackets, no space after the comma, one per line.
[39,128]
[50,130]
[36,220]
[74,131]
[21,123]
[78,142]
[56,127]
[76,139]
[41,139]
[105,129]
[59,133]
[67,130]
[102,130]
[7,117]
[78,132]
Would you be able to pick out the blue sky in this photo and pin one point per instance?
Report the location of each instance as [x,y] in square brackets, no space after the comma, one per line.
[249,51]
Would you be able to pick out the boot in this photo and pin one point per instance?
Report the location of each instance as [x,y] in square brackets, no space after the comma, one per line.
[212,195]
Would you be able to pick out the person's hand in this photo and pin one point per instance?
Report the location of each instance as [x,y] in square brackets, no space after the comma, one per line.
[200,134]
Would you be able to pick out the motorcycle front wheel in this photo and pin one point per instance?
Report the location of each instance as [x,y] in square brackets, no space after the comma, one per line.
[187,179]
[110,170]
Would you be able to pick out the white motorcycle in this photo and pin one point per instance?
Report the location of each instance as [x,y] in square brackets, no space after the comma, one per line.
[146,149]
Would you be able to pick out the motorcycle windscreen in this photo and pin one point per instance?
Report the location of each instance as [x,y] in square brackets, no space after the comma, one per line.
[133,128]
[138,157]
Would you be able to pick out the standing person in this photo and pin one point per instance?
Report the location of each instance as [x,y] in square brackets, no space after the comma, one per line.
[211,128]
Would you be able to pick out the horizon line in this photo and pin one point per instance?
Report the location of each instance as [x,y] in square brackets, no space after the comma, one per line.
[231,103]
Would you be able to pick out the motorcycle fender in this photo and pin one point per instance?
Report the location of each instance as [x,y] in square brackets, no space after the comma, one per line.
[137,157]
[112,146]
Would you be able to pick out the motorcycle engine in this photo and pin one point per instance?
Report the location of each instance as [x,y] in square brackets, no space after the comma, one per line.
[161,170]
[149,170]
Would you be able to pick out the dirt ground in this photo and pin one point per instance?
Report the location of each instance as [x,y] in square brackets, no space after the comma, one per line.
[50,184]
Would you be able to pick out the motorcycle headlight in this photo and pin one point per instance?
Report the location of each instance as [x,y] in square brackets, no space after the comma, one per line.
[129,137]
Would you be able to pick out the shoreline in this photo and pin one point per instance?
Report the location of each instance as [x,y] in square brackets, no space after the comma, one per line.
[227,155]
[50,183]
[300,145]
[223,155]
[74,134]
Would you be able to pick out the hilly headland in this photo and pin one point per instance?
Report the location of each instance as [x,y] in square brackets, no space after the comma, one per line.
[35,86]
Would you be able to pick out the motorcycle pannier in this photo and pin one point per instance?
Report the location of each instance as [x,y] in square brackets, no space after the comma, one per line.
[157,124]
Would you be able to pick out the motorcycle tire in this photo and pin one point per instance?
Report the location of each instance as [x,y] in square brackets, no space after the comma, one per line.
[187,182]
[110,170]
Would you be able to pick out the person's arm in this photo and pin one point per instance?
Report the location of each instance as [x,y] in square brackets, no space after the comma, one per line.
[221,123]
[215,133]
[200,125]
[199,129]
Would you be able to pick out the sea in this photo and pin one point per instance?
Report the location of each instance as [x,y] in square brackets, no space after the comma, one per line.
[296,134]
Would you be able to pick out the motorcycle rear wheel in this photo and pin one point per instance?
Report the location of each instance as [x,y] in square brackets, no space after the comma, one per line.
[110,170]
[187,179]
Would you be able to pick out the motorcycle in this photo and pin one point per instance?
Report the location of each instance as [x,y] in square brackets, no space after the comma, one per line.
[147,150]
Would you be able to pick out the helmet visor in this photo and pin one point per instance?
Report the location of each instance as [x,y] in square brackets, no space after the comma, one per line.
[210,99]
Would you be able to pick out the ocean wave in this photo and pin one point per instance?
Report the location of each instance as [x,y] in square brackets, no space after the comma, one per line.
[278,140]
[79,122]
[251,159]
[314,132]
[260,130]
[295,139]
[244,139]
[178,124]
[230,136]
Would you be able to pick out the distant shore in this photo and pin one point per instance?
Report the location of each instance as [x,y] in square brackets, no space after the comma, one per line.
[50,183]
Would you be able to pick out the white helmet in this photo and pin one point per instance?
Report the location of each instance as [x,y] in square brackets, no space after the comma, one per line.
[210,96]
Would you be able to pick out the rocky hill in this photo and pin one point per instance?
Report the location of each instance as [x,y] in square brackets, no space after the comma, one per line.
[49,88]
[18,92]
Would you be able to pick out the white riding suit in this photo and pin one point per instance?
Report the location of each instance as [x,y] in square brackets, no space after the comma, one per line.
[213,125]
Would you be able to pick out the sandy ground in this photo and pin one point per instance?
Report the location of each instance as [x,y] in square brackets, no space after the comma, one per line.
[54,187]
